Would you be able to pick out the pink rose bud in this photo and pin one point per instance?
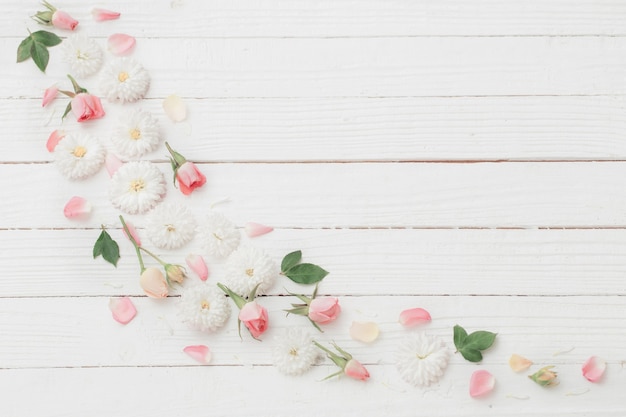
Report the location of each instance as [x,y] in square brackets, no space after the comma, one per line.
[414,317]
[196,264]
[62,20]
[355,370]
[254,317]
[481,383]
[112,163]
[123,309]
[324,310]
[133,233]
[100,15]
[121,44]
[594,368]
[153,283]
[76,207]
[49,95]
[86,107]
[175,273]
[189,177]
[54,139]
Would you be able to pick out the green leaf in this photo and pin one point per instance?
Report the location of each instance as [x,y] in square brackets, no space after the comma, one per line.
[472,355]
[459,336]
[67,110]
[40,55]
[290,260]
[106,247]
[480,340]
[306,273]
[46,38]
[23,51]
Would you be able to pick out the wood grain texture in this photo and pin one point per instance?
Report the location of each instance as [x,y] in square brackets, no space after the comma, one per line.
[366,195]
[328,18]
[76,332]
[352,129]
[361,262]
[361,67]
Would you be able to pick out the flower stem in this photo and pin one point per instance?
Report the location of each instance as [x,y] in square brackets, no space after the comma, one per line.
[156,258]
[132,240]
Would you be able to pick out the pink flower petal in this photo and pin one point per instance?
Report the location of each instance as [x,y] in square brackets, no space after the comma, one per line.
[49,95]
[200,353]
[112,163]
[594,368]
[256,229]
[100,15]
[365,332]
[175,108]
[76,207]
[133,233]
[121,44]
[481,383]
[414,317]
[123,309]
[196,264]
[54,139]
[519,363]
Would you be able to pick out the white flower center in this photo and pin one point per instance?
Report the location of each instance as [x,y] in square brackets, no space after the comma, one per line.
[205,305]
[293,352]
[250,272]
[122,76]
[79,151]
[135,134]
[136,185]
[81,55]
[217,237]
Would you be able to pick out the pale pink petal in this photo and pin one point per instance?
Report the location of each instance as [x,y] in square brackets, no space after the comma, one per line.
[121,44]
[175,108]
[102,14]
[594,368]
[76,207]
[54,139]
[49,95]
[414,317]
[365,332]
[256,229]
[123,309]
[112,163]
[196,264]
[133,233]
[481,383]
[200,353]
[519,363]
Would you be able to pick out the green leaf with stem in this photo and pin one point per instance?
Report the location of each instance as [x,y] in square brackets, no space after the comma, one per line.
[107,247]
[290,260]
[470,346]
[306,273]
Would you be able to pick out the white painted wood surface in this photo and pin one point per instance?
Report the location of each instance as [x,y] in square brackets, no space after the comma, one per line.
[466,157]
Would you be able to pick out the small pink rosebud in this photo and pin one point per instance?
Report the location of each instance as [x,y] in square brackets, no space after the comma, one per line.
[153,283]
[354,369]
[324,310]
[200,353]
[76,207]
[62,20]
[594,368]
[196,264]
[86,107]
[49,95]
[256,229]
[545,377]
[189,177]
[175,273]
[481,383]
[254,317]
[123,309]
[54,139]
[112,163]
[133,233]
[121,44]
[414,317]
[100,15]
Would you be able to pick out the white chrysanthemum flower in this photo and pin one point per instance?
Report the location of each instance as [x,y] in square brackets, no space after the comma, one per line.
[421,359]
[83,55]
[170,226]
[248,267]
[79,156]
[125,80]
[220,237]
[294,352]
[137,134]
[203,307]
[136,187]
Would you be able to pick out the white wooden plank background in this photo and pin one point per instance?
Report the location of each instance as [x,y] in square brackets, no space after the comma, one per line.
[466,157]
